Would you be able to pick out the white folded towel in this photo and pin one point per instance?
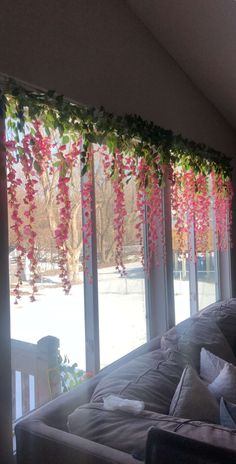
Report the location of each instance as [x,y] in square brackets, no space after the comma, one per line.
[112,403]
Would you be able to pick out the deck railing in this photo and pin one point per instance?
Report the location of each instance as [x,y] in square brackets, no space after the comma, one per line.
[35,374]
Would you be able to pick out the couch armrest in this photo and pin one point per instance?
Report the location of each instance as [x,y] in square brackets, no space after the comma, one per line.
[38,443]
[164,447]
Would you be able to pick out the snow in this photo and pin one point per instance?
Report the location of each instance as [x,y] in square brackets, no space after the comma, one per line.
[122,318]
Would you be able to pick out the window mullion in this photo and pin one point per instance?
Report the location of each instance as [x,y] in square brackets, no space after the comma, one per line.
[91,290]
[156,295]
[150,318]
[6,451]
[225,274]
[159,282]
[216,258]
[193,282]
[169,253]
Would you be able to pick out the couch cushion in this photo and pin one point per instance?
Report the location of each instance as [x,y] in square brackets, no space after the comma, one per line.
[227,414]
[151,378]
[225,384]
[191,335]
[224,313]
[192,399]
[202,431]
[128,433]
[210,365]
[165,447]
[117,429]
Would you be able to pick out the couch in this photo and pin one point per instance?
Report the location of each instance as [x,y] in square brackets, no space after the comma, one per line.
[76,429]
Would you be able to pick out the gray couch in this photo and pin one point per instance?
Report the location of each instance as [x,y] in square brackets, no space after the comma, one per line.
[75,427]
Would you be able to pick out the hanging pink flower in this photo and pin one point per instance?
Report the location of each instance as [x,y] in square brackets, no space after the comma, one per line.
[62,231]
[202,213]
[39,150]
[106,160]
[31,182]
[183,208]
[86,195]
[154,219]
[149,211]
[41,147]
[119,209]
[222,195]
[13,183]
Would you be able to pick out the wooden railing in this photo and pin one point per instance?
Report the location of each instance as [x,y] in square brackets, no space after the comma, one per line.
[35,374]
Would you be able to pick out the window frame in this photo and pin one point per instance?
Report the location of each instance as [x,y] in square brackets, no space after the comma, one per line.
[159,295]
[6,445]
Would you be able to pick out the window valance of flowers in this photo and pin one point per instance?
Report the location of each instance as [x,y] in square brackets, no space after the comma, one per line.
[45,132]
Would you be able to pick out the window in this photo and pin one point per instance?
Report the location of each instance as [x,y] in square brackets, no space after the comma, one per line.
[181,279]
[121,298]
[107,313]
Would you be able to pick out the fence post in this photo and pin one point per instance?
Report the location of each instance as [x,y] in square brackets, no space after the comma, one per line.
[48,383]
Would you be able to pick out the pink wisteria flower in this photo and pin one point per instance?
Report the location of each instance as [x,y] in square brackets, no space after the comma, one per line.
[40,153]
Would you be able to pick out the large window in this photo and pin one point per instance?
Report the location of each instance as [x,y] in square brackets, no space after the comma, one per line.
[114,306]
[118,309]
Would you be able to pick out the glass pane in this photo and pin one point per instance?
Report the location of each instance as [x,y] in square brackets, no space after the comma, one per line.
[181,280]
[54,323]
[122,313]
[207,274]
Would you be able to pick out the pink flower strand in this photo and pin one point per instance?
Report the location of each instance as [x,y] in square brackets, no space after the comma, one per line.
[86,189]
[149,212]
[68,159]
[41,148]
[222,193]
[62,231]
[142,172]
[13,183]
[154,219]
[30,183]
[182,199]
[119,210]
[202,214]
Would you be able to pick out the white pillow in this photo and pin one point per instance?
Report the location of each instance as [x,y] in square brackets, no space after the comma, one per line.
[210,365]
[225,384]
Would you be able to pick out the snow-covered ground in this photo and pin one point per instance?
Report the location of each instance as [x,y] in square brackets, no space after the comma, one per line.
[122,318]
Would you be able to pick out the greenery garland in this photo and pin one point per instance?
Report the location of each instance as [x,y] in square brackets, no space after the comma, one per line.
[129,133]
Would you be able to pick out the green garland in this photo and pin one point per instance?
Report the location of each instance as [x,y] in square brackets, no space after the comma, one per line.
[129,133]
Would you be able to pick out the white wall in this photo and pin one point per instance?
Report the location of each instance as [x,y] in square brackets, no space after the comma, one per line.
[97,52]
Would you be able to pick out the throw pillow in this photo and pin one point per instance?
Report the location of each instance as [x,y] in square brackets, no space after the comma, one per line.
[225,384]
[196,332]
[210,365]
[224,313]
[193,400]
[151,378]
[227,414]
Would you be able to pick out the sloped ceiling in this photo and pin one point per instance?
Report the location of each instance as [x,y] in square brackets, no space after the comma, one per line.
[201,36]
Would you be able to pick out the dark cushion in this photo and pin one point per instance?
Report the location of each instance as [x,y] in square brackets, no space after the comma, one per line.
[164,447]
[191,335]
[203,432]
[227,414]
[151,378]
[193,400]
